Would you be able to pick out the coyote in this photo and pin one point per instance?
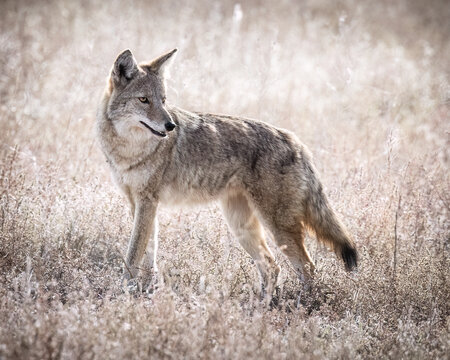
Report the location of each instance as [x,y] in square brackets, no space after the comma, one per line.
[262,176]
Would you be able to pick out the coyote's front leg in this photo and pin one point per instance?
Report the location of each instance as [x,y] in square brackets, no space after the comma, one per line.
[143,228]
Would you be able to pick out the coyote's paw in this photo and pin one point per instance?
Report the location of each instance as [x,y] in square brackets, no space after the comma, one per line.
[154,283]
[305,294]
[131,286]
[275,301]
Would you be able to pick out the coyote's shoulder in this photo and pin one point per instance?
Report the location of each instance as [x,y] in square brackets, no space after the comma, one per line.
[262,175]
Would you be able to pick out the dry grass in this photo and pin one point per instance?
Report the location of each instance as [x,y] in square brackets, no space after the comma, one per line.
[364,84]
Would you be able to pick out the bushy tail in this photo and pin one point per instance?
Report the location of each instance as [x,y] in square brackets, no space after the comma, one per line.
[321,218]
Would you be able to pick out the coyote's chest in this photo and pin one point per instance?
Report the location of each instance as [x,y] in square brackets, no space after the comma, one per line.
[133,174]
[131,163]
[133,178]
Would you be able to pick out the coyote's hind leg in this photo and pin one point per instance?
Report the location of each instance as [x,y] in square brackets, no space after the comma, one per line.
[291,243]
[246,227]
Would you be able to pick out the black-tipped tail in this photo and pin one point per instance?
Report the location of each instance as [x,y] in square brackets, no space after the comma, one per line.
[321,218]
[350,257]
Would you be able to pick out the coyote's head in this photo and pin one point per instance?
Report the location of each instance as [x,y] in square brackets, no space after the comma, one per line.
[137,99]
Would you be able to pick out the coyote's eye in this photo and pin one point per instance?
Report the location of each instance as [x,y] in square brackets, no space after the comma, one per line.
[164,100]
[143,100]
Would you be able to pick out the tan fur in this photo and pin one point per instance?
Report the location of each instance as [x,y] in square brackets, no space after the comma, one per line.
[262,176]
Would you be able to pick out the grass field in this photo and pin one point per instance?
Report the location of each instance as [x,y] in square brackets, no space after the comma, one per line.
[364,84]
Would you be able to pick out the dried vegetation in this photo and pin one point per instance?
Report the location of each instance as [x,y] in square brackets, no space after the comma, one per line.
[364,84]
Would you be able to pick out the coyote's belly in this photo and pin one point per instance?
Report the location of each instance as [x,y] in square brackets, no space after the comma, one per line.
[172,196]
[197,188]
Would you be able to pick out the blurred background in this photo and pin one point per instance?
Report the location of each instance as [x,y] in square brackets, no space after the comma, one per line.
[340,74]
[364,84]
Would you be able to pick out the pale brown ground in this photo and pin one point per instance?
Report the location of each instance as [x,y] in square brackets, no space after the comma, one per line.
[364,84]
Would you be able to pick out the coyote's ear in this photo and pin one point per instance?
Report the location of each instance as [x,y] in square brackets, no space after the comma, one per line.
[160,64]
[124,69]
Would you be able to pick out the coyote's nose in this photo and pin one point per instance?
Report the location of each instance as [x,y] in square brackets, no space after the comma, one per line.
[170,126]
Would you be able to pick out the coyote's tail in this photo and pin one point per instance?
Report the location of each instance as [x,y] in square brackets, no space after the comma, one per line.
[321,218]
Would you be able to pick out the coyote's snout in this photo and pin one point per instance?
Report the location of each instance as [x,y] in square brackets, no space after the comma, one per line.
[262,176]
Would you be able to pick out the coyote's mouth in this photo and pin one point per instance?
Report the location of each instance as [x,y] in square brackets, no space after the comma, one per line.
[162,134]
